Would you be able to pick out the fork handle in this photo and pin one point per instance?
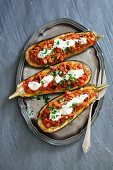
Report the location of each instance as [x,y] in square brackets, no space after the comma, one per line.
[87,139]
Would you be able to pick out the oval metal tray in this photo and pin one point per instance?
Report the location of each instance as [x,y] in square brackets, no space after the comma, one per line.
[31,107]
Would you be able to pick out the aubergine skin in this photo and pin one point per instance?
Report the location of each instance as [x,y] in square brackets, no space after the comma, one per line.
[91,40]
[53,128]
[21,92]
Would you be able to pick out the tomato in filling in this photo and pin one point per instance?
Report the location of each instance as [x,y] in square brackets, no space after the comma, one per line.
[45,115]
[58,55]
[61,70]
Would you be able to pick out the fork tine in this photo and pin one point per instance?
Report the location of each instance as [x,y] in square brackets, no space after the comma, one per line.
[95,78]
[99,82]
[104,78]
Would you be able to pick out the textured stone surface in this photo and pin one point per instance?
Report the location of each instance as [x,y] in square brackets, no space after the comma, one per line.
[19,148]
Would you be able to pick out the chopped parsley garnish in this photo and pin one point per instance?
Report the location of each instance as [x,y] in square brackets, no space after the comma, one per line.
[47,65]
[45,51]
[54,114]
[46,98]
[38,98]
[68,87]
[51,108]
[77,114]
[30,113]
[63,79]
[56,72]
[60,82]
[53,50]
[61,100]
[67,43]
[58,42]
[73,105]
[51,73]
[60,73]
[71,77]
[42,82]
[55,56]
[70,119]
[33,97]
[40,92]
[69,82]
[68,49]
[79,86]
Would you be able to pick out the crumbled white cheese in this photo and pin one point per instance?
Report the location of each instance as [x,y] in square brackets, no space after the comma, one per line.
[33,85]
[83,40]
[49,78]
[67,108]
[62,44]
[58,79]
[44,53]
[46,80]
[74,73]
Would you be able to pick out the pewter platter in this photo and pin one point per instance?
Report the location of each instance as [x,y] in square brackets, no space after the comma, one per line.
[30,107]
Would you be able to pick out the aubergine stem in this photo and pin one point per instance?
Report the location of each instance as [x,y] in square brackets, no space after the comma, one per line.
[19,92]
[102,87]
[16,94]
[98,37]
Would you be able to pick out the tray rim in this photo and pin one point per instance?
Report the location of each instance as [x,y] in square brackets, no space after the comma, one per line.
[100,56]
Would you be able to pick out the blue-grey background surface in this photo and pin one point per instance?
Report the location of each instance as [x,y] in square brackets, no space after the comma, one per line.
[19,148]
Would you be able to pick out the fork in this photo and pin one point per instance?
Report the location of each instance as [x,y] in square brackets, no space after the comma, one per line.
[101,84]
